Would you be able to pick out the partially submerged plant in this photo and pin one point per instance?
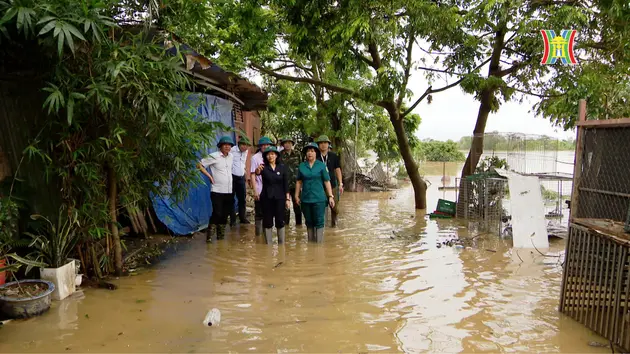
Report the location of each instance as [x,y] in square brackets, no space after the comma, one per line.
[9,238]
[54,245]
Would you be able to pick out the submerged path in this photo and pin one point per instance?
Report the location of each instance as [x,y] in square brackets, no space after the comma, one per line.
[379,282]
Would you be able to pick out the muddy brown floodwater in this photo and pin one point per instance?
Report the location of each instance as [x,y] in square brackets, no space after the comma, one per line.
[378,283]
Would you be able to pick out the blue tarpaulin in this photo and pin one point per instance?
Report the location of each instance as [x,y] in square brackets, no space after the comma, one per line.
[193,213]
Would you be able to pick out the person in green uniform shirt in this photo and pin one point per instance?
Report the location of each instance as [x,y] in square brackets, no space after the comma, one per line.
[313,192]
[334,169]
[291,160]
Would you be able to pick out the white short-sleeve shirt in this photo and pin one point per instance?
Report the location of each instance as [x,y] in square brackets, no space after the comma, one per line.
[221,168]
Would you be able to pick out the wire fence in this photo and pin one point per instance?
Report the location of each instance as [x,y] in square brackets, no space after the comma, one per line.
[596,279]
[604,182]
[481,201]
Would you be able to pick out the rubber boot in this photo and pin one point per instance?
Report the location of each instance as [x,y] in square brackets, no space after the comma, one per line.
[233,219]
[298,219]
[258,227]
[269,236]
[281,235]
[311,234]
[319,234]
[220,232]
[210,232]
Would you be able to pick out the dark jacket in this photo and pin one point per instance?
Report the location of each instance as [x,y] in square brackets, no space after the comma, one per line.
[275,183]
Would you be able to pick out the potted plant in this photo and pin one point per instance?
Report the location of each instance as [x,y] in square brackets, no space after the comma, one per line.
[24,298]
[53,248]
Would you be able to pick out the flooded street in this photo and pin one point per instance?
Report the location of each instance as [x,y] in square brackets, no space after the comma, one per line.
[378,283]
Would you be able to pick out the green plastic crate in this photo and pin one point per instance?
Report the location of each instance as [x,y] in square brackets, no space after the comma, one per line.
[439,216]
[446,206]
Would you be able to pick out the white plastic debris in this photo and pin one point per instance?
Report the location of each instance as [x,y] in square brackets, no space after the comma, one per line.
[213,318]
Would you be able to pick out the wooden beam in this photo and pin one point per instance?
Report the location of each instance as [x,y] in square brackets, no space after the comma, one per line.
[604,123]
[577,162]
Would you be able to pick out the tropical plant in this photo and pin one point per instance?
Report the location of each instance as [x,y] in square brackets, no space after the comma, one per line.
[9,238]
[57,241]
[116,131]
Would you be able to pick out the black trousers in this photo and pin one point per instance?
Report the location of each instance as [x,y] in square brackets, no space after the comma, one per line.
[222,204]
[238,186]
[296,210]
[273,210]
[258,210]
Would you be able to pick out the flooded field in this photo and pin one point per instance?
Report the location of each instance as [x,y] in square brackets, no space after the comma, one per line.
[382,281]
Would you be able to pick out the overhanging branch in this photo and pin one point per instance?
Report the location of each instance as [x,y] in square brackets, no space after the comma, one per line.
[407,70]
[430,90]
[539,95]
[307,80]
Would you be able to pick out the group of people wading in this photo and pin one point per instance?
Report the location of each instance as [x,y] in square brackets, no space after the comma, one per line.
[281,179]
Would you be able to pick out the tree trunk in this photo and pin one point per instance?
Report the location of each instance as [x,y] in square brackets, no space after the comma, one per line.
[113,197]
[485,106]
[476,147]
[419,186]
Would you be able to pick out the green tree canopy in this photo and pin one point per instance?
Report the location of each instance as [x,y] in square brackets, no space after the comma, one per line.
[116,130]
[444,151]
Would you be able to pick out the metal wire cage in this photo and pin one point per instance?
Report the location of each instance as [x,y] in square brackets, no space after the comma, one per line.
[596,280]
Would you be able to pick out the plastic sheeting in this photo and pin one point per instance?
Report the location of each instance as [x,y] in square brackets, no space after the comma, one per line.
[529,229]
[193,213]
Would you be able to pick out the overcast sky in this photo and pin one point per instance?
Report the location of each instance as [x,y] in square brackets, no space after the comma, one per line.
[453,113]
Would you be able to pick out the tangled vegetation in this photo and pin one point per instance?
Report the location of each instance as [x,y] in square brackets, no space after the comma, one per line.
[115,130]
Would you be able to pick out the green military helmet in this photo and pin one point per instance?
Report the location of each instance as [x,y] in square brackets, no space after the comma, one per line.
[225,140]
[309,146]
[285,139]
[270,149]
[264,141]
[323,139]
[245,141]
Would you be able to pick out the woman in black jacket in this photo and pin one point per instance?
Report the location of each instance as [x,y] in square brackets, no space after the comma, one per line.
[274,197]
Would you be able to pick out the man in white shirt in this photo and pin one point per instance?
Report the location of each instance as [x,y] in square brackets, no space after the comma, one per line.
[220,164]
[239,178]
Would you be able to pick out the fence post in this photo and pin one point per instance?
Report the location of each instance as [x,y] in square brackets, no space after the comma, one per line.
[577,161]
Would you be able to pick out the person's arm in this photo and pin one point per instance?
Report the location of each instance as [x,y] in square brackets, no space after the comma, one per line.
[210,160]
[285,185]
[259,169]
[298,190]
[252,173]
[248,164]
[329,194]
[205,172]
[339,178]
[328,187]
[298,186]
[339,174]
[253,181]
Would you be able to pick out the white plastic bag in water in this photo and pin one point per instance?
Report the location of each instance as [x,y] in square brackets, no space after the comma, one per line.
[213,318]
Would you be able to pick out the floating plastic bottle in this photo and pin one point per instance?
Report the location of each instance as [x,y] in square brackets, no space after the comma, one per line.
[213,318]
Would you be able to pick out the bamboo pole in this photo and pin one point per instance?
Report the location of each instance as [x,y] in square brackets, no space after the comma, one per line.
[143,221]
[151,220]
[132,218]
